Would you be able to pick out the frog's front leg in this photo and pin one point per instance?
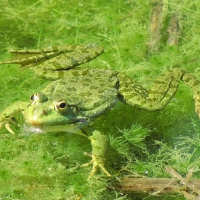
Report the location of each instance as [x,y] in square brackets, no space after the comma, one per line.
[8,114]
[48,61]
[99,144]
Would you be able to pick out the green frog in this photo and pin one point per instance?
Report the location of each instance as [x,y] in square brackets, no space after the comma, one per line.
[77,96]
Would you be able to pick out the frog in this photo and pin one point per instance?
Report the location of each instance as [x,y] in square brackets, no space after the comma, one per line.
[77,96]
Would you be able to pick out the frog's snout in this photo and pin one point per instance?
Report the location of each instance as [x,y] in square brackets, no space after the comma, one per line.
[35,117]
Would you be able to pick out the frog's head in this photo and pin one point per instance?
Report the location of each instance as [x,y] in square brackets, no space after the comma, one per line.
[43,112]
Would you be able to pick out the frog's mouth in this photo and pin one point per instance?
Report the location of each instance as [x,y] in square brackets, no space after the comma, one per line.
[69,128]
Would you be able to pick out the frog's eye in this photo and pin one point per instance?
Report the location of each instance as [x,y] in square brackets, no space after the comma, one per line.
[38,97]
[61,106]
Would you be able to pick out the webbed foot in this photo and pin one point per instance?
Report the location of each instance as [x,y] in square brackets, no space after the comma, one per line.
[7,115]
[6,123]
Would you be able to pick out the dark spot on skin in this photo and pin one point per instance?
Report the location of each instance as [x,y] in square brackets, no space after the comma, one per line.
[82,120]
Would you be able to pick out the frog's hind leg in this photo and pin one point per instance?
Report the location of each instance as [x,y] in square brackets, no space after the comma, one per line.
[194,83]
[160,92]
[164,88]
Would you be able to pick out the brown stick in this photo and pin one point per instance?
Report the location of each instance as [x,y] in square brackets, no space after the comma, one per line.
[155,186]
[148,185]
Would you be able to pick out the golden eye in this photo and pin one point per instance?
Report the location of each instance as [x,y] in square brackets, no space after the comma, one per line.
[38,97]
[61,106]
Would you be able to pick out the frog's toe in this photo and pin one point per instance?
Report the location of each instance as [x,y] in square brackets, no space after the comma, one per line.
[96,164]
[7,123]
[7,126]
[94,169]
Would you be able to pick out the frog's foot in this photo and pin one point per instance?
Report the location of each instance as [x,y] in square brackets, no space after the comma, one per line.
[7,115]
[99,144]
[6,123]
[97,163]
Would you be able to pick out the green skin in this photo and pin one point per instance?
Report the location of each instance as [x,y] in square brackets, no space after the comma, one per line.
[76,97]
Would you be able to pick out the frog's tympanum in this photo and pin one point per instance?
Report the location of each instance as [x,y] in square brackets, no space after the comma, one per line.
[77,96]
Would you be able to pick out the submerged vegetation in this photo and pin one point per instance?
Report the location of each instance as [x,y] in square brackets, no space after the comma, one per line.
[43,166]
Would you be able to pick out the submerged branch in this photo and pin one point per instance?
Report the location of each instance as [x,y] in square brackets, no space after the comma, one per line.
[159,186]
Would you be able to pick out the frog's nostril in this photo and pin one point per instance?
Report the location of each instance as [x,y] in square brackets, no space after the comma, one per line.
[44,112]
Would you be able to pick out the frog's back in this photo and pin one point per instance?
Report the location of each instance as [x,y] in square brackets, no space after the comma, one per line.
[92,91]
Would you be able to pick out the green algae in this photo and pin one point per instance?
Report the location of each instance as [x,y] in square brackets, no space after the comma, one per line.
[38,166]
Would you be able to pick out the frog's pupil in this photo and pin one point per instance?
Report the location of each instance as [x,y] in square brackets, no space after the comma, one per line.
[62,105]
